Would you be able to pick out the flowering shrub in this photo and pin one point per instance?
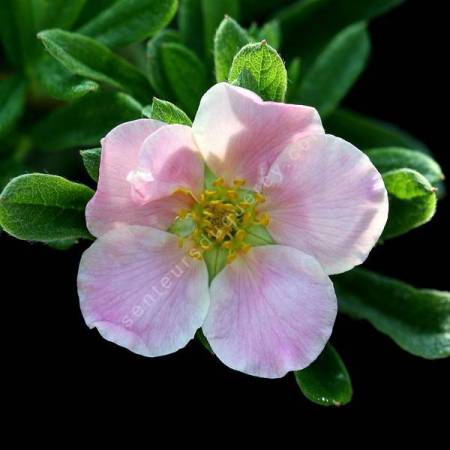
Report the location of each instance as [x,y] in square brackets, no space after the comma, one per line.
[223,199]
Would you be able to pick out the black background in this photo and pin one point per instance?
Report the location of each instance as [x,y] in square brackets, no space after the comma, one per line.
[59,368]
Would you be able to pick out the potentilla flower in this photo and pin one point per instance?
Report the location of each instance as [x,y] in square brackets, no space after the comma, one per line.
[257,192]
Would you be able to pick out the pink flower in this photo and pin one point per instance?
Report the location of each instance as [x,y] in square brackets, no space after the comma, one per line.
[272,307]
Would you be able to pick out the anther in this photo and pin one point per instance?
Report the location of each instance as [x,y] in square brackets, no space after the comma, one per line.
[238,182]
[218,182]
[240,235]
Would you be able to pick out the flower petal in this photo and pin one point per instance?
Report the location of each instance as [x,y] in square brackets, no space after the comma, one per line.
[112,204]
[141,291]
[169,159]
[272,311]
[326,198]
[240,136]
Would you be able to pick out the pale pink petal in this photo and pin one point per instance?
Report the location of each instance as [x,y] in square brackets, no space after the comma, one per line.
[112,203]
[169,159]
[240,136]
[326,198]
[272,311]
[140,290]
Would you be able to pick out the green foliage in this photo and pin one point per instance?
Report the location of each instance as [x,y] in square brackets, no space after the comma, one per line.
[88,58]
[418,320]
[57,13]
[412,201]
[60,83]
[91,161]
[128,21]
[46,208]
[155,66]
[268,74]
[335,70]
[387,159]
[366,133]
[308,25]
[186,75]
[12,102]
[98,114]
[326,381]
[169,113]
[230,38]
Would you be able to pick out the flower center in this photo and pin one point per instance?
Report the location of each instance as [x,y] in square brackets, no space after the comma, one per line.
[220,217]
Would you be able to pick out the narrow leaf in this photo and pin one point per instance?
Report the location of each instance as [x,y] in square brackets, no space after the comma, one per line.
[190,24]
[213,13]
[12,102]
[265,66]
[308,25]
[412,201]
[94,114]
[186,75]
[57,13]
[18,32]
[88,58]
[326,381]
[230,38]
[60,83]
[271,32]
[155,70]
[387,159]
[366,133]
[169,113]
[335,70]
[128,21]
[46,208]
[91,161]
[418,320]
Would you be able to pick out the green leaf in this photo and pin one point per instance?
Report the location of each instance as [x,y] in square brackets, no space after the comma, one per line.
[156,71]
[169,113]
[57,13]
[326,381]
[91,161]
[271,32]
[18,32]
[308,25]
[213,14]
[95,115]
[190,24]
[12,101]
[230,38]
[247,80]
[88,58]
[265,66]
[46,208]
[59,82]
[63,244]
[367,133]
[335,70]
[186,75]
[128,21]
[261,8]
[387,159]
[293,71]
[418,320]
[412,201]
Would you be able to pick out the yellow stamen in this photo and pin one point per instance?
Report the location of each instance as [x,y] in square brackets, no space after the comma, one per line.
[240,235]
[259,198]
[239,182]
[218,182]
[264,219]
